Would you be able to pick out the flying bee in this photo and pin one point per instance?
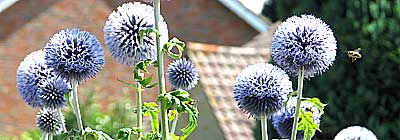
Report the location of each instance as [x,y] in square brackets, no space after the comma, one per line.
[355,54]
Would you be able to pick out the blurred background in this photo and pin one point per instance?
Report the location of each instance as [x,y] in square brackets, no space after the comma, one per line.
[222,36]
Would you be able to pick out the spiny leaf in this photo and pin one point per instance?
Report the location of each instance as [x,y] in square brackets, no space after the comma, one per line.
[307,124]
[174,43]
[181,99]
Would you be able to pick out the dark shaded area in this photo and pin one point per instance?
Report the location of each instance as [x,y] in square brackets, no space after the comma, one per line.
[21,13]
[364,92]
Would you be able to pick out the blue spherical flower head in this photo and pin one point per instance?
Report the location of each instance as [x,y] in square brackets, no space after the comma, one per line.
[48,121]
[355,133]
[304,41]
[51,92]
[31,72]
[121,33]
[74,54]
[261,89]
[283,120]
[183,74]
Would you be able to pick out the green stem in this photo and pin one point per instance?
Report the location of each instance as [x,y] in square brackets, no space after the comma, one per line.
[45,136]
[75,104]
[61,117]
[173,127]
[139,104]
[160,73]
[264,126]
[299,96]
[50,137]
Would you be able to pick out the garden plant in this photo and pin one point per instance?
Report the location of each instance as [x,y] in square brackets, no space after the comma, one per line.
[136,35]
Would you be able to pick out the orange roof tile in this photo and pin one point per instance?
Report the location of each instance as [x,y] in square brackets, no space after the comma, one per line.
[218,67]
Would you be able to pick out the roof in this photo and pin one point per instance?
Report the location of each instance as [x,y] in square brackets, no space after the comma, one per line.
[263,39]
[234,5]
[4,4]
[251,18]
[218,67]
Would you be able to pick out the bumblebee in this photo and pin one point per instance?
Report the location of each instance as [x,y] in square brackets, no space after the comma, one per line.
[355,54]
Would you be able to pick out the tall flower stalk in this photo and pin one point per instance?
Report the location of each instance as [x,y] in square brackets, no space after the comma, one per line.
[75,55]
[298,102]
[264,127]
[75,104]
[304,46]
[160,73]
[139,105]
[260,90]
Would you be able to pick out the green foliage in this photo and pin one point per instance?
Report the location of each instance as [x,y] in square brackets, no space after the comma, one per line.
[150,109]
[307,123]
[126,133]
[177,44]
[180,98]
[119,115]
[364,92]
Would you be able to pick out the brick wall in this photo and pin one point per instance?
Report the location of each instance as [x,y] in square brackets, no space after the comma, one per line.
[28,25]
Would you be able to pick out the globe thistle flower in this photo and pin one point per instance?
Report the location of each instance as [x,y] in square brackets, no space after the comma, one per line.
[304,41]
[48,121]
[121,33]
[283,120]
[74,54]
[31,72]
[182,74]
[51,93]
[355,133]
[261,89]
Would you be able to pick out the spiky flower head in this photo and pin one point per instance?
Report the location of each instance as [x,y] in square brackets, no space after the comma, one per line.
[355,133]
[183,74]
[121,33]
[74,54]
[51,92]
[31,73]
[261,89]
[304,41]
[283,120]
[48,121]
